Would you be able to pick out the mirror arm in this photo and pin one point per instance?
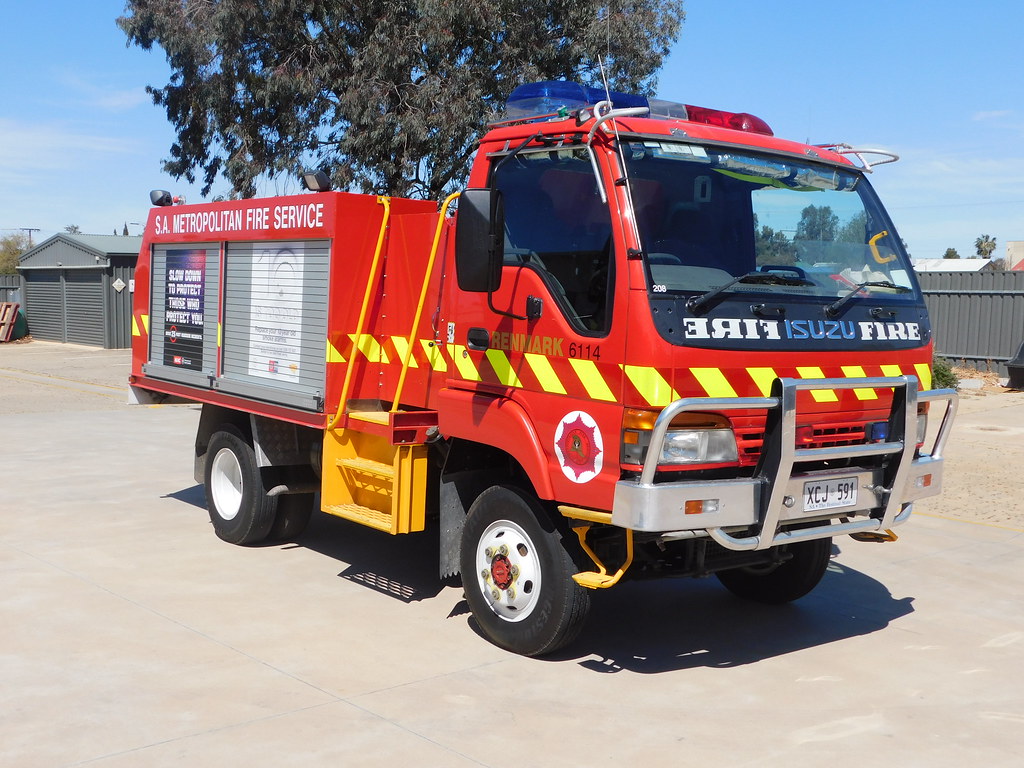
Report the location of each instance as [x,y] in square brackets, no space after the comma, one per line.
[534,308]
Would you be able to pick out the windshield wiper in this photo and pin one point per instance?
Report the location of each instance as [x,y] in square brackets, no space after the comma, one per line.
[833,309]
[696,303]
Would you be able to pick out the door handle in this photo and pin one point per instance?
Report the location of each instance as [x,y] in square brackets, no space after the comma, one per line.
[478,339]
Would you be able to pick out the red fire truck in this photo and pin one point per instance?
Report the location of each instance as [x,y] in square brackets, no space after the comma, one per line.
[653,340]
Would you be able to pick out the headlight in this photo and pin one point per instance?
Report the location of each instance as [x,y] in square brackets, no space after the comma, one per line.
[693,438]
[699,446]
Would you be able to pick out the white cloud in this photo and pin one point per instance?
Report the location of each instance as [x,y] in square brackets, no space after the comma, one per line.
[121,100]
[995,114]
[946,196]
[90,92]
[27,147]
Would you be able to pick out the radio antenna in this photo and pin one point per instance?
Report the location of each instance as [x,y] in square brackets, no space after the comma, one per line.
[608,50]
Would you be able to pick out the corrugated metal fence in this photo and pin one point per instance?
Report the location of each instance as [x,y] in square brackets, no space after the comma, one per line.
[10,288]
[978,317]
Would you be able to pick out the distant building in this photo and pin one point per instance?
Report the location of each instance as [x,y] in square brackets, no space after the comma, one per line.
[1015,255]
[78,288]
[952,265]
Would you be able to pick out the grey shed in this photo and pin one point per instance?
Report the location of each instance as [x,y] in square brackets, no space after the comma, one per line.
[78,288]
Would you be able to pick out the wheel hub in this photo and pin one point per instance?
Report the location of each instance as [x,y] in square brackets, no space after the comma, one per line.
[226,484]
[501,572]
[509,570]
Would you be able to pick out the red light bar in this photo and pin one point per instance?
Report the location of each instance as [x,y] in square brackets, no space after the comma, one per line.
[738,121]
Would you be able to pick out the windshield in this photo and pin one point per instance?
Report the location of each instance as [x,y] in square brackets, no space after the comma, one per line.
[706,216]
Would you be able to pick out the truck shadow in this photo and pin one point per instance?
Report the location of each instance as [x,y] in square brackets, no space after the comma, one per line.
[194,495]
[402,567]
[646,627]
[663,626]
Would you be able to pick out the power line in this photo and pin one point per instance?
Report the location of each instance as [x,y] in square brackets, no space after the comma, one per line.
[952,205]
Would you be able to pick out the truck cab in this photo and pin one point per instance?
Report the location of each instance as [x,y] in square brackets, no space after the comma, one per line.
[717,336]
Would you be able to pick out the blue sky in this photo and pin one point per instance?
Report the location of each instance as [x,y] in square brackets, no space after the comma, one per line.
[940,83]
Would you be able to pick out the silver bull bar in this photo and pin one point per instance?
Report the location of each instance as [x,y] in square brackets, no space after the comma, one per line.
[773,496]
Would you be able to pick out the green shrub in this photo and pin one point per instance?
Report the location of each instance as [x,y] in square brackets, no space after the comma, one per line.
[943,375]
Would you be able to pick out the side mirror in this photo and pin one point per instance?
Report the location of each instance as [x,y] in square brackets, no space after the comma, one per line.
[479,240]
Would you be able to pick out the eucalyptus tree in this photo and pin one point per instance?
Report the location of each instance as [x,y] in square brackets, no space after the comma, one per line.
[385,96]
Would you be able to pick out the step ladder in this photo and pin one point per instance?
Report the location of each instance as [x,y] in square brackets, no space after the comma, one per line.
[372,482]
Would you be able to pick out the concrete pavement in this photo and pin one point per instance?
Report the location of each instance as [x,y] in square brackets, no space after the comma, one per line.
[131,636]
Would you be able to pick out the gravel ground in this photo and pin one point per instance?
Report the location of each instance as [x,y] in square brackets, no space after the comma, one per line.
[985,457]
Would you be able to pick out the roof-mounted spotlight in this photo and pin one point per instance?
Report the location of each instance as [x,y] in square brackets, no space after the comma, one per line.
[316,181]
[162,197]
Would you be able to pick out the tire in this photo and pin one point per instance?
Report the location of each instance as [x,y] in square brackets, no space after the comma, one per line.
[293,513]
[240,510]
[783,583]
[511,549]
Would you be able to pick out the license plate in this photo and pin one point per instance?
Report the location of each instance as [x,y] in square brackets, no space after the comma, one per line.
[829,494]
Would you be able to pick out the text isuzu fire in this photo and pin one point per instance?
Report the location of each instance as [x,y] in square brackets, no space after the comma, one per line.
[654,340]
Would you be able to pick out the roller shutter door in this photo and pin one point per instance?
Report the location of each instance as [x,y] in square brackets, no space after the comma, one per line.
[44,304]
[65,305]
[83,307]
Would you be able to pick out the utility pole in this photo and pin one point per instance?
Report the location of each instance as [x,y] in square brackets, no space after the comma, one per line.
[30,230]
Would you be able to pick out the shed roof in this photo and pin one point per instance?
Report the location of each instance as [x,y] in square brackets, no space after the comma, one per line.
[950,265]
[68,250]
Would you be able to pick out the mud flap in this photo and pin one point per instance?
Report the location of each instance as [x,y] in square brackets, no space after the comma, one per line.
[458,492]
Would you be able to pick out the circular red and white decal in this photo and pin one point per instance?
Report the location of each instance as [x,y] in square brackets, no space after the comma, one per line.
[579,447]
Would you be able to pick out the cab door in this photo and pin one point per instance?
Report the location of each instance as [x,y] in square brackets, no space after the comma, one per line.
[552,336]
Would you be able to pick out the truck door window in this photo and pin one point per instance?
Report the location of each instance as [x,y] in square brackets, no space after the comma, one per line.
[557,224]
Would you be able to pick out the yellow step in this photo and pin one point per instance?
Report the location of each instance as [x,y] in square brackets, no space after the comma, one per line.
[593,580]
[364,515]
[589,515]
[373,417]
[367,466]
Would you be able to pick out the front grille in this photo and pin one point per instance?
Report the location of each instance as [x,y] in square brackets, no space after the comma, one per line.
[828,436]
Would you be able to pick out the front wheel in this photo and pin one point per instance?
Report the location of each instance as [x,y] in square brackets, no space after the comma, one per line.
[518,575]
[785,582]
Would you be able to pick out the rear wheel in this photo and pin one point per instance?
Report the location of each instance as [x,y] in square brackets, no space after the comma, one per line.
[518,576]
[240,510]
[293,513]
[785,582]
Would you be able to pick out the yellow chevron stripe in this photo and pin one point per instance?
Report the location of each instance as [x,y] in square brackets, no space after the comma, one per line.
[220,335]
[819,395]
[401,347]
[371,349]
[924,375]
[145,322]
[714,382]
[502,368]
[434,356]
[545,374]
[592,380]
[856,372]
[763,379]
[135,327]
[650,384]
[333,355]
[891,370]
[464,363]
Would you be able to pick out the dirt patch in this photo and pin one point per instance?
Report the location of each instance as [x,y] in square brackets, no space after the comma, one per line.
[990,382]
